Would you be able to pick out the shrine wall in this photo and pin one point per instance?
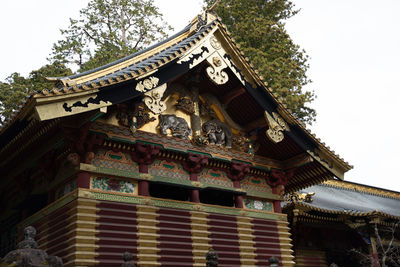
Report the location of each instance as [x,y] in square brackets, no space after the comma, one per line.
[89,228]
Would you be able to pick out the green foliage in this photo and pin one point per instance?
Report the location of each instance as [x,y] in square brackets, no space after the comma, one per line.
[37,78]
[16,87]
[258,27]
[108,30]
[12,93]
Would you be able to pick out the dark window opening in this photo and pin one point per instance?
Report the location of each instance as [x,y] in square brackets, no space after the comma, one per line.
[217,197]
[33,204]
[174,192]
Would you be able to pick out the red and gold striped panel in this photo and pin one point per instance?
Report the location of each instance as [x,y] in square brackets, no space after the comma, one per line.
[175,237]
[117,232]
[94,232]
[69,232]
[311,258]
[266,240]
[148,251]
[201,241]
[285,243]
[225,239]
[86,231]
[246,241]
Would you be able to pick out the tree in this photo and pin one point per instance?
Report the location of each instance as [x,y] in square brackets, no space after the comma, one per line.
[108,30]
[388,251]
[16,87]
[258,27]
[12,93]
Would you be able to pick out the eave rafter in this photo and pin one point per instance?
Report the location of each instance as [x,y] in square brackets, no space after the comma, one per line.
[231,95]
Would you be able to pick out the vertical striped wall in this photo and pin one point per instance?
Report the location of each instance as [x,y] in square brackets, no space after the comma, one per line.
[94,232]
[311,258]
[116,232]
[174,237]
[68,231]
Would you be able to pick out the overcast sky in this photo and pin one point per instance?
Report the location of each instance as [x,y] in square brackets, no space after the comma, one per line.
[354,65]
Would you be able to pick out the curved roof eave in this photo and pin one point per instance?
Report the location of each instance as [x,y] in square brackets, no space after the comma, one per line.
[142,63]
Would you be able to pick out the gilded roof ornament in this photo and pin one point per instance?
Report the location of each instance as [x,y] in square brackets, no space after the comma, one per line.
[201,22]
[281,121]
[300,197]
[215,70]
[203,19]
[276,127]
[147,84]
[153,101]
[215,43]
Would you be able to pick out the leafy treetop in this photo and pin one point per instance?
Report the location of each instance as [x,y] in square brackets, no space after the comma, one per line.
[16,87]
[108,30]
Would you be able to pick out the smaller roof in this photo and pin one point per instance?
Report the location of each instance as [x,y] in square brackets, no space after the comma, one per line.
[339,197]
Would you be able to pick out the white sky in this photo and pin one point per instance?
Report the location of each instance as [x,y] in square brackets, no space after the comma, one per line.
[353,45]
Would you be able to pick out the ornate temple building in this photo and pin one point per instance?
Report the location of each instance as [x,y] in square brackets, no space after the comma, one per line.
[165,154]
[336,222]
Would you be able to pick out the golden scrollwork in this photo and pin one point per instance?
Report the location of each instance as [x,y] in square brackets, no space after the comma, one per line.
[280,121]
[215,70]
[277,125]
[153,101]
[215,43]
[147,84]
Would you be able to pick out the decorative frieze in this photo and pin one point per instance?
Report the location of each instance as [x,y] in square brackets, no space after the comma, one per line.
[218,133]
[178,126]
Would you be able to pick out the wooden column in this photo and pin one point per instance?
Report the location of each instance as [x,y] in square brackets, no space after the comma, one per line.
[84,145]
[277,179]
[83,179]
[144,155]
[236,174]
[143,188]
[194,164]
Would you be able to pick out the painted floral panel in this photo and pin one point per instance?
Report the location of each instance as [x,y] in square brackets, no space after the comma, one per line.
[256,204]
[113,185]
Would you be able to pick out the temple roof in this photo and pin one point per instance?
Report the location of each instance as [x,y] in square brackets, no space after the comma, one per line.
[347,198]
[118,81]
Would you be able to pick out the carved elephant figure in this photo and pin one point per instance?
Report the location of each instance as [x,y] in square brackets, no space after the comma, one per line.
[177,125]
[218,133]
